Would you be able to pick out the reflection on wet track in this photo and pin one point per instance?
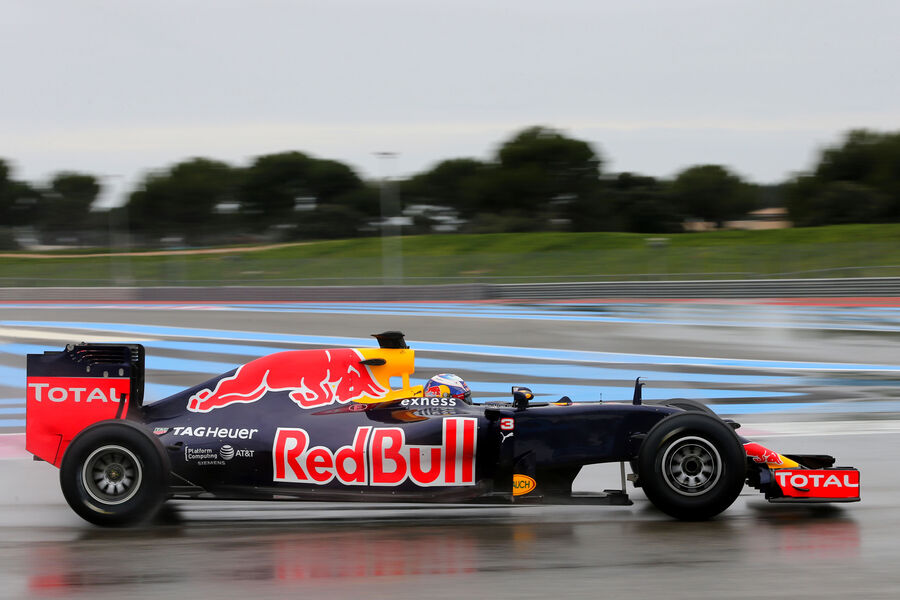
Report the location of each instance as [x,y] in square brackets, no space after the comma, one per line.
[236,550]
[276,558]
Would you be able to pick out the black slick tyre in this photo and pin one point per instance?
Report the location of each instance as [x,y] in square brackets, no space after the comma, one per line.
[114,474]
[684,404]
[692,466]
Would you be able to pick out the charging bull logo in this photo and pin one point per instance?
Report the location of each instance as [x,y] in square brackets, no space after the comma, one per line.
[438,391]
[313,378]
[762,455]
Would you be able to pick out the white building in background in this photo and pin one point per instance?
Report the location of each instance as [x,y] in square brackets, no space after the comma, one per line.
[764,218]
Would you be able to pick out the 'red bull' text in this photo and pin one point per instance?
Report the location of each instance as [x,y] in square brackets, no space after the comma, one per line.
[379,456]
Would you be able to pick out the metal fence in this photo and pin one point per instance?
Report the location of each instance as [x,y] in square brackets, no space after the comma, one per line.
[766,288]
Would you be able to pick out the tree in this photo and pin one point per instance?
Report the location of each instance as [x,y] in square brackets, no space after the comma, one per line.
[329,221]
[548,166]
[451,183]
[868,163]
[182,201]
[7,198]
[67,202]
[330,179]
[855,181]
[815,203]
[864,156]
[631,202]
[277,185]
[553,152]
[711,193]
[364,201]
[537,175]
[20,202]
[272,188]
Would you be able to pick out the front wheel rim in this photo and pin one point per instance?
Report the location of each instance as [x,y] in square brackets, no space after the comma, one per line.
[691,466]
[112,474]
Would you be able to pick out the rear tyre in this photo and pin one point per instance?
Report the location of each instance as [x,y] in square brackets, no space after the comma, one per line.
[692,466]
[114,474]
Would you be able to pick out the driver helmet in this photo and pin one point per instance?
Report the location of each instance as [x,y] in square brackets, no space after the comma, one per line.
[448,385]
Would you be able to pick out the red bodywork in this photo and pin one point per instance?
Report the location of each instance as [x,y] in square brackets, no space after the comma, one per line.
[825,484]
[58,408]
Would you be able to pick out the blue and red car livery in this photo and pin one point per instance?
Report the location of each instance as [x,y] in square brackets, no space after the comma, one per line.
[346,424]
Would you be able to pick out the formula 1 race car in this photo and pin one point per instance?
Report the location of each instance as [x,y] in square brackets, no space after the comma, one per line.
[326,425]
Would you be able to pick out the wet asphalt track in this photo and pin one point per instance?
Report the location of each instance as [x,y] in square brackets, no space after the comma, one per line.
[245,550]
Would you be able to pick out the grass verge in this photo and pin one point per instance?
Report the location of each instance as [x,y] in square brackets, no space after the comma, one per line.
[837,251]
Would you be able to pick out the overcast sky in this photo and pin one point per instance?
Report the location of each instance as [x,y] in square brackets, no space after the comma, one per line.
[119,87]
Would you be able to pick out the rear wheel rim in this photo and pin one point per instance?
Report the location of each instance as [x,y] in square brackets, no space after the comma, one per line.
[112,474]
[691,466]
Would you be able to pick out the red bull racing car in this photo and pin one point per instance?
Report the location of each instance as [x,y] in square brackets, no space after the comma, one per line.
[345,424]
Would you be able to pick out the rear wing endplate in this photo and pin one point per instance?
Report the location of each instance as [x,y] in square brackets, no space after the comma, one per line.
[71,389]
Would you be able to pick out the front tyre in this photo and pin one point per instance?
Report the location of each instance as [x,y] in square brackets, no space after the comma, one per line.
[692,466]
[114,473]
[688,405]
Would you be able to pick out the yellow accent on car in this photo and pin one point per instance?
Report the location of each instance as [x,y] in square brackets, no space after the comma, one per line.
[523,484]
[786,463]
[398,363]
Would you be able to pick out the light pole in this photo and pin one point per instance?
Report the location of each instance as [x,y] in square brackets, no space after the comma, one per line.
[119,270]
[391,243]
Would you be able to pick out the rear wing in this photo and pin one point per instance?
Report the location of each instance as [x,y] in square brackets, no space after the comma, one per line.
[71,389]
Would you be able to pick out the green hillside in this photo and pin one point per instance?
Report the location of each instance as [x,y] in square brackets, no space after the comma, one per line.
[836,251]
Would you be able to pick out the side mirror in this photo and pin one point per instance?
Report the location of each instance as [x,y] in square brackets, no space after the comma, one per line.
[521,397]
[638,384]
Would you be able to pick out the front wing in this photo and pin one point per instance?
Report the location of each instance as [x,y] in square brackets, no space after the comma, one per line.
[800,478]
[840,484]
